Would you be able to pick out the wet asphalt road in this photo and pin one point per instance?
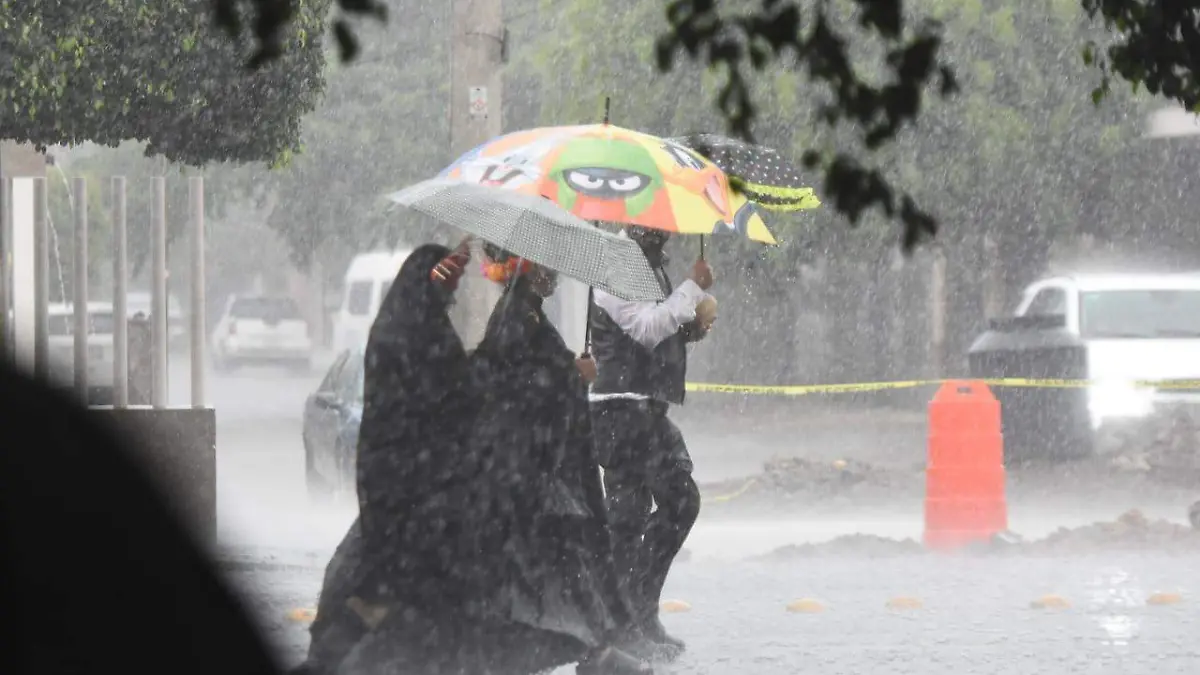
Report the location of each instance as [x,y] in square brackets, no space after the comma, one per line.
[975,617]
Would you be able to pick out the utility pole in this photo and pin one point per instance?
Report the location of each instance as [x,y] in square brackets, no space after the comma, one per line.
[476,59]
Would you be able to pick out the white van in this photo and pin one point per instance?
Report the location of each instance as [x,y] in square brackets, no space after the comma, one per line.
[367,281]
[1137,327]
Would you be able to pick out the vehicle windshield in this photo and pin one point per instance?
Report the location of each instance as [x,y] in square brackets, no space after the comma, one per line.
[358,298]
[265,308]
[1140,314]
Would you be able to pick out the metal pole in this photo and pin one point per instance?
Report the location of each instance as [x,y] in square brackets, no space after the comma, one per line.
[6,334]
[196,201]
[80,279]
[120,310]
[158,311]
[41,280]
[476,96]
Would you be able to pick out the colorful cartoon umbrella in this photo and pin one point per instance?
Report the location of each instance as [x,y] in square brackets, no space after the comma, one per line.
[757,171]
[606,173]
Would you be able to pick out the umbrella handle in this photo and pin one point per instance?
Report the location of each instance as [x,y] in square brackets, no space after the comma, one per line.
[587,327]
[607,103]
[702,247]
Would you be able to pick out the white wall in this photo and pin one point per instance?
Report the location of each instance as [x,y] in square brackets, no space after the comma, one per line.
[23,278]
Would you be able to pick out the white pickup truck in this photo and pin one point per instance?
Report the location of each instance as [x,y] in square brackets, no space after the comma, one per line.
[99,349]
[1136,327]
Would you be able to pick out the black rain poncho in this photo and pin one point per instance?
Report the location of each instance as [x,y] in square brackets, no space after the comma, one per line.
[404,548]
[533,436]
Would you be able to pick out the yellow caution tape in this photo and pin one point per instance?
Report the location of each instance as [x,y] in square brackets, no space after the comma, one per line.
[805,389]
[736,493]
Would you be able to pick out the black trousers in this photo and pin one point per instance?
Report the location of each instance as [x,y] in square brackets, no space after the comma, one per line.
[652,500]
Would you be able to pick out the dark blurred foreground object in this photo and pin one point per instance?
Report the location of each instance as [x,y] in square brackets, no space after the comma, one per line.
[96,574]
[1040,423]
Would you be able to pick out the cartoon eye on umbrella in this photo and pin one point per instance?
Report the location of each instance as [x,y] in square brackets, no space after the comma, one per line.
[606,184]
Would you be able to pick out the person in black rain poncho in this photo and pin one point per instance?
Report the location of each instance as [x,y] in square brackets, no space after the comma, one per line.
[416,408]
[557,580]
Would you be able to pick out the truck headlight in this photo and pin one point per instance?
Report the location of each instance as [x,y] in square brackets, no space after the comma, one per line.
[1118,400]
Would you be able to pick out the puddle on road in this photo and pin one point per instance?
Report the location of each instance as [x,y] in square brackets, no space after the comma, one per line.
[1115,599]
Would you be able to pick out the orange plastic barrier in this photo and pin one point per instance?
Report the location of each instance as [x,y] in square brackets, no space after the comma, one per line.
[964,475]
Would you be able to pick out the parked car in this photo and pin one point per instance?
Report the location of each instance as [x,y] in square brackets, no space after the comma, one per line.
[100,349]
[261,330]
[332,415]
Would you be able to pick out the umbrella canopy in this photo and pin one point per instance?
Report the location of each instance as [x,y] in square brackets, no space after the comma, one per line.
[757,171]
[538,230]
[602,172]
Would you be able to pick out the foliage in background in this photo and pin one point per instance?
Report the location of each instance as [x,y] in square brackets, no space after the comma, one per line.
[224,184]
[383,124]
[1151,43]
[1008,158]
[115,70]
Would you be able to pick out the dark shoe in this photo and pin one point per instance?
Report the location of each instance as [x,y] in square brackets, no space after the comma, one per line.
[613,661]
[653,629]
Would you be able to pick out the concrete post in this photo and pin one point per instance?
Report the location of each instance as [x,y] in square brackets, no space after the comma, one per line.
[158,292]
[120,308]
[140,378]
[198,302]
[6,251]
[23,266]
[476,65]
[937,313]
[80,273]
[41,281]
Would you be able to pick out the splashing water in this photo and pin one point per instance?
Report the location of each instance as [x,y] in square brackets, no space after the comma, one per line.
[1115,595]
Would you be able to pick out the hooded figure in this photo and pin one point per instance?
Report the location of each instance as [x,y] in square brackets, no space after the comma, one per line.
[550,544]
[415,402]
[416,405]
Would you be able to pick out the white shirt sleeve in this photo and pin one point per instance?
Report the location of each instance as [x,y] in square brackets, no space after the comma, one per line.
[649,323]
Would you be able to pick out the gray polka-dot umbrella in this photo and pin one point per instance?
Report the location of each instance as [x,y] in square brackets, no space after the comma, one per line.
[757,171]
